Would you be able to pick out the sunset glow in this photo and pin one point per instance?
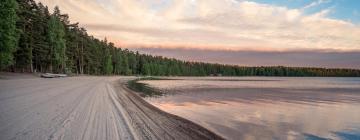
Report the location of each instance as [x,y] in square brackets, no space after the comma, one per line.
[207,24]
[225,25]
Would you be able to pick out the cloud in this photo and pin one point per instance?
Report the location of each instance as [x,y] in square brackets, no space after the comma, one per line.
[316,3]
[212,24]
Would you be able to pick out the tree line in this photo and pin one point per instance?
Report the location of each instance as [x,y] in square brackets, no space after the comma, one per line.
[34,40]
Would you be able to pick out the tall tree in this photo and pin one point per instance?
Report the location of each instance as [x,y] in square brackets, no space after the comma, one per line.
[40,43]
[27,14]
[108,67]
[8,32]
[56,34]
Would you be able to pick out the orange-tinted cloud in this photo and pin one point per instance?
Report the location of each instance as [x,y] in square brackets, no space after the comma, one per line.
[211,24]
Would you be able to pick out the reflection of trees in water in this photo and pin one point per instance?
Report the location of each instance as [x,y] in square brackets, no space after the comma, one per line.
[302,96]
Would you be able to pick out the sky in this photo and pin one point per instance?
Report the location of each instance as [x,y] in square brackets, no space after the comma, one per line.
[329,28]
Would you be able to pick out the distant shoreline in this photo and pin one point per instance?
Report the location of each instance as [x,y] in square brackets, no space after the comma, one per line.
[10,75]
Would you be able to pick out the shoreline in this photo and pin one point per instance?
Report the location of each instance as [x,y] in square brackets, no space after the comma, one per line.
[149,122]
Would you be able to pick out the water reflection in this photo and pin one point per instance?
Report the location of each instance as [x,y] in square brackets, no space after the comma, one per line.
[284,108]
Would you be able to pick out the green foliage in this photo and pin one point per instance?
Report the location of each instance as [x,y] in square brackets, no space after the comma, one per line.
[108,66]
[50,43]
[8,32]
[56,34]
[25,24]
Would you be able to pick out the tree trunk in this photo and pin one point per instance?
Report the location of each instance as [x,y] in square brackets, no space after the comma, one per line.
[31,61]
[82,57]
[64,60]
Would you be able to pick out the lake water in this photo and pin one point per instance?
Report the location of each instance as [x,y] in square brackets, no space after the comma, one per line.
[252,108]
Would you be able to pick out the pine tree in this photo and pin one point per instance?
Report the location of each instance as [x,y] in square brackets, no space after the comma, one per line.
[27,17]
[56,34]
[41,46]
[107,66]
[8,32]
[124,64]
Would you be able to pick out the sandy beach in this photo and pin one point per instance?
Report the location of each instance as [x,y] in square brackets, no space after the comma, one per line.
[85,107]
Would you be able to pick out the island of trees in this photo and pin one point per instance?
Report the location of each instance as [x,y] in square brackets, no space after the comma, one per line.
[34,40]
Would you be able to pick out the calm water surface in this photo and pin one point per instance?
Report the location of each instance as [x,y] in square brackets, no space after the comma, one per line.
[266,107]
